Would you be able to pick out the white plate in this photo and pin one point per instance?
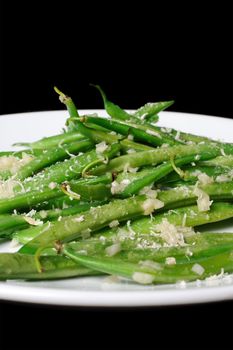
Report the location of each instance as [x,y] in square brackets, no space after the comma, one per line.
[96,291]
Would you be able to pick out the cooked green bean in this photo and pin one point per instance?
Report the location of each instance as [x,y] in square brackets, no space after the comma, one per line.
[73,227]
[145,135]
[19,266]
[157,156]
[52,156]
[52,141]
[155,272]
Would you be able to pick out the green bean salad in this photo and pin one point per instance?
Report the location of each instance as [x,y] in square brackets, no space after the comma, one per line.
[117,195]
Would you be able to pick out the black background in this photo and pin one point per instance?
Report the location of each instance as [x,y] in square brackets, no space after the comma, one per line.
[150,51]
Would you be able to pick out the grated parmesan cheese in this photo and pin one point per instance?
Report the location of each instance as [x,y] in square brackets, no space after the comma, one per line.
[171,234]
[13,164]
[7,188]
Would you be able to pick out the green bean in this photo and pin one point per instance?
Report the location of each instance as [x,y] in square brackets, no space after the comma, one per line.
[23,232]
[19,154]
[68,170]
[151,129]
[185,216]
[52,141]
[6,153]
[87,189]
[184,195]
[150,110]
[156,156]
[52,156]
[23,236]
[182,136]
[147,136]
[73,123]
[128,145]
[73,227]
[196,246]
[72,110]
[19,266]
[157,273]
[158,173]
[27,200]
[79,186]
[112,109]
[222,161]
[190,216]
[10,221]
[52,214]
[191,173]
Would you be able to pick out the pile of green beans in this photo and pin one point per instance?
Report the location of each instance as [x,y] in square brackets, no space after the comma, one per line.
[117,195]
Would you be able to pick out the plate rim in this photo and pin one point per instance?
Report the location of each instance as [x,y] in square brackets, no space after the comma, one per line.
[125,298]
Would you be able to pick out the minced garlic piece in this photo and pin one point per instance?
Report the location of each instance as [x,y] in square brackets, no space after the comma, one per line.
[150,204]
[118,187]
[79,219]
[170,260]
[198,269]
[204,179]
[52,185]
[32,221]
[151,264]
[153,133]
[113,223]
[101,147]
[113,249]
[142,277]
[203,199]
[148,192]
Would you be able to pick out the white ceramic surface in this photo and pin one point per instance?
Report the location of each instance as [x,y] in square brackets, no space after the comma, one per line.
[97,291]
